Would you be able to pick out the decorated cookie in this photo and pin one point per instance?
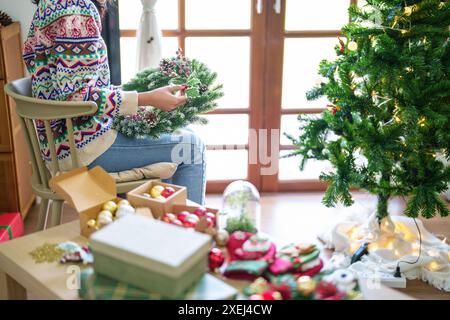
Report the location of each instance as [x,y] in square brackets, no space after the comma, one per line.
[245,269]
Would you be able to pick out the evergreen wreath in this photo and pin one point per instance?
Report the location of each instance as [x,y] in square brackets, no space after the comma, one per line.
[200,88]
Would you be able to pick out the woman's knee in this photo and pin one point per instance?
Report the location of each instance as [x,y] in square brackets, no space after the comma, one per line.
[190,149]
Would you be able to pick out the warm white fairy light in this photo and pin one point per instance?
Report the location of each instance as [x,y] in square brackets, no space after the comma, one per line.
[433,253]
[434,266]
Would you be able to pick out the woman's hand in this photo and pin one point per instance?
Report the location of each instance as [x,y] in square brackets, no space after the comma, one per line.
[162,98]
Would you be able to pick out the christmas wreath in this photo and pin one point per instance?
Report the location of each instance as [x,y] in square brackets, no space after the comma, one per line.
[200,88]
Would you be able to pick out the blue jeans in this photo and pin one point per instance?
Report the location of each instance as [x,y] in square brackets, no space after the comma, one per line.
[183,148]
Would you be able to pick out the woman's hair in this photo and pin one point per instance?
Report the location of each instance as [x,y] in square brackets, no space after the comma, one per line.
[102,5]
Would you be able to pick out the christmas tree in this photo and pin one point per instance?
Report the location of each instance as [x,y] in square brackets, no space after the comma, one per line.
[387,125]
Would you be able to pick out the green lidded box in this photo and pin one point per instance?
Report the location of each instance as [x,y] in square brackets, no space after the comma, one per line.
[150,254]
[98,287]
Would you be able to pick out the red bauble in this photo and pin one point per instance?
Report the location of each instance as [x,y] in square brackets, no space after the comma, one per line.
[271,295]
[169,217]
[200,212]
[326,290]
[167,192]
[177,223]
[183,215]
[216,259]
[211,222]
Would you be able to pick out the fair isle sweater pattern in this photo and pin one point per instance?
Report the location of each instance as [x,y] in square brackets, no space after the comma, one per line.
[67,59]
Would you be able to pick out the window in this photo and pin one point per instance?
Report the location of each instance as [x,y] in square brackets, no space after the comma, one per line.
[266,60]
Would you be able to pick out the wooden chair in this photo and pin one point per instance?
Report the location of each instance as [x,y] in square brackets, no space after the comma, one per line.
[29,109]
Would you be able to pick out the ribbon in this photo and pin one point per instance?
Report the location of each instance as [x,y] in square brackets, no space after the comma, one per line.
[9,231]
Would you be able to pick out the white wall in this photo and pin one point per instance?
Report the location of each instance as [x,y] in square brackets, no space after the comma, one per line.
[19,10]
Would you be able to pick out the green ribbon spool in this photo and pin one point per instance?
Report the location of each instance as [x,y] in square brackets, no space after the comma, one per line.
[9,231]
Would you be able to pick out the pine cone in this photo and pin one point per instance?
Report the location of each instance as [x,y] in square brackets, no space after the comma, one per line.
[203,88]
[5,19]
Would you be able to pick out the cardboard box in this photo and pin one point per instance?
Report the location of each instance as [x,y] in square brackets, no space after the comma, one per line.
[86,191]
[151,255]
[158,207]
[179,208]
[11,226]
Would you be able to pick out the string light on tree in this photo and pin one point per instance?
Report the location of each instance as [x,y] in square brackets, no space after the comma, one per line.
[352,46]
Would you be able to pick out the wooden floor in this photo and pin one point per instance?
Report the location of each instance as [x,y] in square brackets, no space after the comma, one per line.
[301,217]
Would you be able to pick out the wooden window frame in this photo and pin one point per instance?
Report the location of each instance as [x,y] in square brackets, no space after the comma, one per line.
[264,107]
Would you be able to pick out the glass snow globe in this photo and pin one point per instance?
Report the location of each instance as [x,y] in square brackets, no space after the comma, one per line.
[241,210]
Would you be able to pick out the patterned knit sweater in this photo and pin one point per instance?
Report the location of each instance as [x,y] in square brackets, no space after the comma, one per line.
[67,59]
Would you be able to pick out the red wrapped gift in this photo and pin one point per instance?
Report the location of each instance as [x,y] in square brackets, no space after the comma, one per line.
[11,226]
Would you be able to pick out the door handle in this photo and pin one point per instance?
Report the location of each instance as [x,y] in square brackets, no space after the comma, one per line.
[277,6]
[259,6]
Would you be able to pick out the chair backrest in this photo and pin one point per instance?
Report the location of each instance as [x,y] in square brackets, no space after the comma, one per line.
[29,109]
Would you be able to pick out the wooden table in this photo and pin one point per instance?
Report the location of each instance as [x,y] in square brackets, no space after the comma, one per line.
[19,273]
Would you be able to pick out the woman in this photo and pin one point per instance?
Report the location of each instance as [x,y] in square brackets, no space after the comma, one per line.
[67,59]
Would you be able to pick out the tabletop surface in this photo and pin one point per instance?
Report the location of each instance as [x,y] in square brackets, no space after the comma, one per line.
[54,280]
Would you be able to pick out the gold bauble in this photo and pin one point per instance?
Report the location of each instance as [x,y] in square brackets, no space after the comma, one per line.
[306,285]
[408,11]
[110,206]
[352,46]
[123,203]
[92,224]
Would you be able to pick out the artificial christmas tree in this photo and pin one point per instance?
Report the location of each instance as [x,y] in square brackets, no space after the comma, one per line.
[388,119]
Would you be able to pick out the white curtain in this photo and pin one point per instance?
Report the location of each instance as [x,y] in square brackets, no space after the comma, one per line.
[149,37]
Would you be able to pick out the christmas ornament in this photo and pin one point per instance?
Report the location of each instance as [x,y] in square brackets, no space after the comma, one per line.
[124,210]
[216,259]
[221,238]
[342,46]
[104,218]
[155,192]
[123,203]
[178,223]
[327,290]
[352,46]
[335,110]
[110,206]
[183,215]
[200,212]
[271,295]
[92,224]
[198,85]
[167,192]
[5,19]
[169,217]
[306,285]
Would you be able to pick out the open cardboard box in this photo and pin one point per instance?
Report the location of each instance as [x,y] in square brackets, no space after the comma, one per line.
[86,191]
[158,207]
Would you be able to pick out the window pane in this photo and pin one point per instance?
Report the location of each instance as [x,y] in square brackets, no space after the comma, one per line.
[218,14]
[289,168]
[167,14]
[226,164]
[128,47]
[224,129]
[130,14]
[230,58]
[301,65]
[290,125]
[316,15]
[128,58]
